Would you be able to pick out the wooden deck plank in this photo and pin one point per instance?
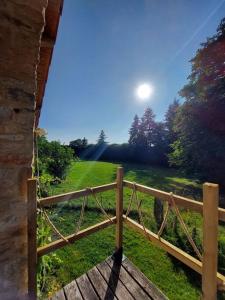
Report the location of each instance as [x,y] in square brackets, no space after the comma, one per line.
[58,296]
[100,285]
[86,289]
[72,291]
[111,280]
[143,281]
[114,282]
[134,288]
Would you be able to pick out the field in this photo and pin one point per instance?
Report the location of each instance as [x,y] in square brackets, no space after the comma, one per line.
[175,280]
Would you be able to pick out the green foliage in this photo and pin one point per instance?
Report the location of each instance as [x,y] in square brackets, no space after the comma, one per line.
[148,140]
[59,160]
[78,146]
[45,181]
[54,158]
[199,123]
[170,117]
[47,264]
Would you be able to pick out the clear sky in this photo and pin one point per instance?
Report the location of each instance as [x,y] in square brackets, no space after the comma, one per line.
[106,48]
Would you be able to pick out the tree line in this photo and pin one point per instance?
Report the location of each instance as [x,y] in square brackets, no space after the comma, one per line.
[192,135]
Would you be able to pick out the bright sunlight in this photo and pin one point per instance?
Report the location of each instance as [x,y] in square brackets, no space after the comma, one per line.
[144,91]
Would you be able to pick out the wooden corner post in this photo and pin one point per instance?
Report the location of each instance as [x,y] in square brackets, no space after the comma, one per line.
[210,241]
[119,210]
[32,237]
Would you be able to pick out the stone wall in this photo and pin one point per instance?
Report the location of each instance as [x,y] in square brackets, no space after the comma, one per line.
[21,26]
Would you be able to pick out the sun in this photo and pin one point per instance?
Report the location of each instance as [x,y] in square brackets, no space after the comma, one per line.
[144,91]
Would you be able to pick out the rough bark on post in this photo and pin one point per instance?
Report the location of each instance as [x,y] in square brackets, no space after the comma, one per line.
[32,237]
[119,210]
[210,241]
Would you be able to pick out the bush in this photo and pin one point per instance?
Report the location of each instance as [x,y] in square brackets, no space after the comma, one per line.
[45,181]
[54,158]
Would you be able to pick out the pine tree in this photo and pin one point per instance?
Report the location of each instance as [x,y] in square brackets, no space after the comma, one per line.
[147,128]
[102,138]
[170,120]
[134,132]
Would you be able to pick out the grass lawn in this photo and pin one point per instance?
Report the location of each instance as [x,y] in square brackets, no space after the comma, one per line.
[175,280]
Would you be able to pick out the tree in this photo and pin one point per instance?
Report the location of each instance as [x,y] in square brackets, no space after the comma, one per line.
[79,146]
[102,138]
[170,121]
[160,144]
[54,158]
[147,127]
[199,124]
[134,132]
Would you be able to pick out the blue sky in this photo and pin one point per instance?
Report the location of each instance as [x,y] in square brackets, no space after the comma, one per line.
[105,48]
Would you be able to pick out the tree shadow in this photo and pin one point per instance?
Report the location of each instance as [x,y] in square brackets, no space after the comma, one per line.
[168,180]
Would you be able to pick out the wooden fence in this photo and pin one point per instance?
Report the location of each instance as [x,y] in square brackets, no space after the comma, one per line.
[211,279]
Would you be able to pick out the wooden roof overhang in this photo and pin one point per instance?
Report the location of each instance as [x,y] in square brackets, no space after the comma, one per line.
[52,16]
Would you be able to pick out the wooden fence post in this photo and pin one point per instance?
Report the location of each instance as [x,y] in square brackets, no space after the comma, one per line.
[32,237]
[210,241]
[119,210]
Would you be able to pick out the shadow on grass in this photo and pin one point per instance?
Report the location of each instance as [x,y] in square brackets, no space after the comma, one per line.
[169,180]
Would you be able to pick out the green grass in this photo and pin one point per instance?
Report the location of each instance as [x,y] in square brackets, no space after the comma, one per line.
[174,279]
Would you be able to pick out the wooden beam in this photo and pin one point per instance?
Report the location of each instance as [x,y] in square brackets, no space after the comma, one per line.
[77,194]
[187,259]
[119,210]
[47,42]
[210,241]
[32,237]
[74,237]
[180,201]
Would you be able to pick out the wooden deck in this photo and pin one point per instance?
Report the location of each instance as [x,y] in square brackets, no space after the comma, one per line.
[111,279]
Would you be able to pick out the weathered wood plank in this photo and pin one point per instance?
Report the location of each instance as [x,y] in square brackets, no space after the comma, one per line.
[72,291]
[136,291]
[111,280]
[86,289]
[179,200]
[119,210]
[210,241]
[100,285]
[58,296]
[74,237]
[187,259]
[114,282]
[143,281]
[32,236]
[77,194]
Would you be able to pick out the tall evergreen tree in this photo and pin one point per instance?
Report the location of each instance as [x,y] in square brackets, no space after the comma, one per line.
[102,138]
[170,117]
[147,128]
[134,132]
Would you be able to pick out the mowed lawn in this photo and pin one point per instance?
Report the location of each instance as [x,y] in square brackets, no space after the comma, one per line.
[176,281]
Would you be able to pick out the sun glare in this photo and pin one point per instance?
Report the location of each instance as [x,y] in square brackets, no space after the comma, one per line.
[144,91]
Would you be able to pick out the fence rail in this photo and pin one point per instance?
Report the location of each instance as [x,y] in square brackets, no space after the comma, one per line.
[179,200]
[211,279]
[75,195]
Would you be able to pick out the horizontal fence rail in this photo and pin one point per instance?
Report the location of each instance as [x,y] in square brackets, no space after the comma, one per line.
[179,200]
[74,237]
[77,194]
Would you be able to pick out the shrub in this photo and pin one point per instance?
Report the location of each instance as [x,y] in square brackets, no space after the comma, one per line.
[54,158]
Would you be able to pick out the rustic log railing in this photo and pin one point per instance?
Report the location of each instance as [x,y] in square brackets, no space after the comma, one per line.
[211,279]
